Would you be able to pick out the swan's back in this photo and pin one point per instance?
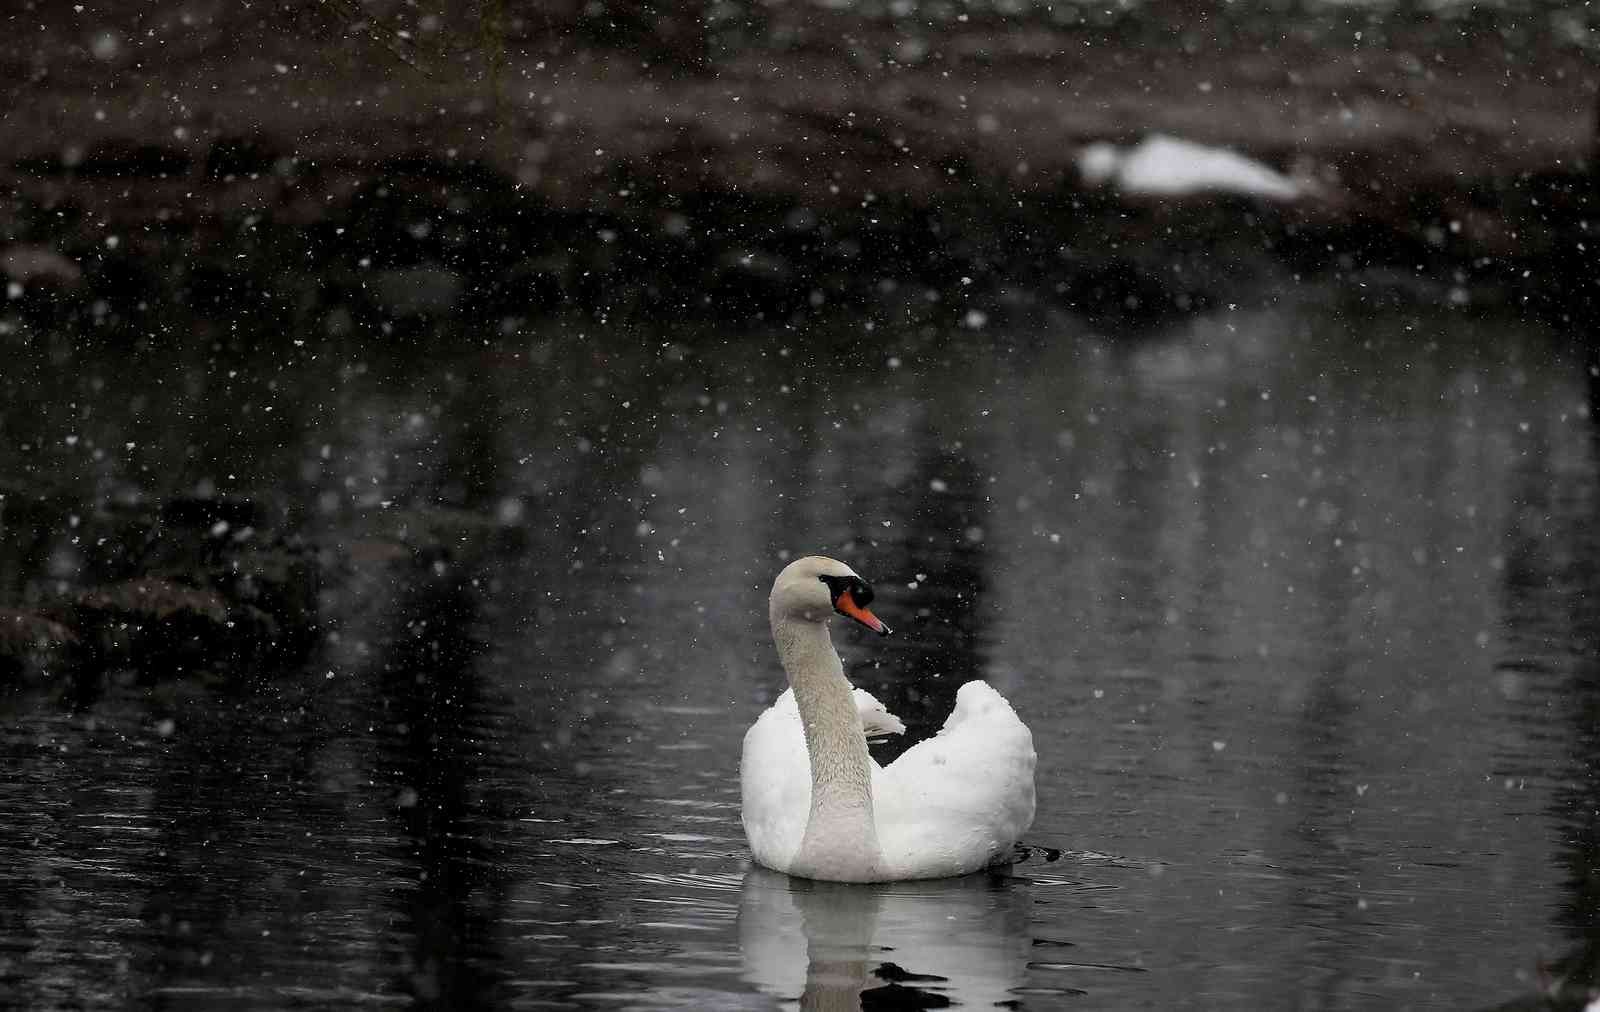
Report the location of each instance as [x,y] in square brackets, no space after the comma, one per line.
[956,802]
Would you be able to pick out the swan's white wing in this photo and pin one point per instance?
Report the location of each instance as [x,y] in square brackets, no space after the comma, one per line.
[775,775]
[958,801]
[775,784]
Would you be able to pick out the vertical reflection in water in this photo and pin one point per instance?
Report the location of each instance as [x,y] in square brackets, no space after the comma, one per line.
[470,462]
[439,747]
[1591,376]
[941,512]
[591,580]
[187,860]
[898,945]
[21,827]
[801,475]
[214,886]
[28,532]
[1323,889]
[433,753]
[72,888]
[1325,874]
[1551,592]
[1577,807]
[1139,489]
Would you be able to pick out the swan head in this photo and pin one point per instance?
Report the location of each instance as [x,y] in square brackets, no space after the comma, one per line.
[814,588]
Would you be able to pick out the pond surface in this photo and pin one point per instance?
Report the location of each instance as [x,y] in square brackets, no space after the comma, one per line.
[1299,602]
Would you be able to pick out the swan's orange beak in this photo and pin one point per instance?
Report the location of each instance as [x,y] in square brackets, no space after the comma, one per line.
[846,606]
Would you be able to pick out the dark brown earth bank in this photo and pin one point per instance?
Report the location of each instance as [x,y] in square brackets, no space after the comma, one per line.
[388,161]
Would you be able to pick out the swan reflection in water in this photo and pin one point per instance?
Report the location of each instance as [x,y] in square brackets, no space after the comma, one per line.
[907,945]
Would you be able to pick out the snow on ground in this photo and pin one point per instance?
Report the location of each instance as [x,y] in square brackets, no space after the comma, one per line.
[1162,166]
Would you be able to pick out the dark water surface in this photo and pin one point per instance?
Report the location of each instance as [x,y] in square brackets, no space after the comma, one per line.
[1300,604]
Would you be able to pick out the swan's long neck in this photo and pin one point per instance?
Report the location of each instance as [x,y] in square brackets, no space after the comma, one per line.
[839,831]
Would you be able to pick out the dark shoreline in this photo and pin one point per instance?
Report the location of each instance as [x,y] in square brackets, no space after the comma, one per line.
[417,236]
[790,160]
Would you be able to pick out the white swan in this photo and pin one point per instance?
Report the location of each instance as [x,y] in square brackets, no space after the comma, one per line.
[816,805]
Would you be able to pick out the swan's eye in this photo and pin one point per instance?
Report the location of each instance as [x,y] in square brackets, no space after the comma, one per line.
[856,587]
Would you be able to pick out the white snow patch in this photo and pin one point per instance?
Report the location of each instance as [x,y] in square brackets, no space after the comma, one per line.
[1162,166]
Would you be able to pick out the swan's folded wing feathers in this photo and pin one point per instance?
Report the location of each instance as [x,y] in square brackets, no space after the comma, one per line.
[958,800]
[979,702]
[775,783]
